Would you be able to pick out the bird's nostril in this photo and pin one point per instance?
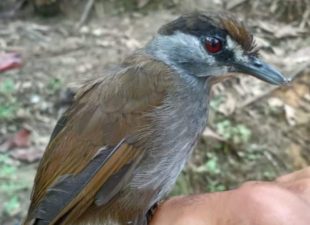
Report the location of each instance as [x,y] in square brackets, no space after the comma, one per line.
[257,63]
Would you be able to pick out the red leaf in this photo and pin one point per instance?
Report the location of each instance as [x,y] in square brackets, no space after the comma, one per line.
[22,138]
[9,61]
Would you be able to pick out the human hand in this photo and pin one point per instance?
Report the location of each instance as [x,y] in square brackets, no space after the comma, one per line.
[285,201]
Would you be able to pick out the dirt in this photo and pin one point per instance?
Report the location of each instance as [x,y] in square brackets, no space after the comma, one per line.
[255,131]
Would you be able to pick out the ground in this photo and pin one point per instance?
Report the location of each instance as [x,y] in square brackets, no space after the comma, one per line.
[255,132]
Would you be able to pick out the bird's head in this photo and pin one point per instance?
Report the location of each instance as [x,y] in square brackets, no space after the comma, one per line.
[210,45]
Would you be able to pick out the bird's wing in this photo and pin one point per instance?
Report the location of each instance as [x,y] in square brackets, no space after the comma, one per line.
[95,140]
[69,196]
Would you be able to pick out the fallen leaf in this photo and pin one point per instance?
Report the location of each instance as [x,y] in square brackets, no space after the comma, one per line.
[132,43]
[212,134]
[287,31]
[296,117]
[296,154]
[262,42]
[142,3]
[280,30]
[22,138]
[267,26]
[5,146]
[9,61]
[104,43]
[290,115]
[275,102]
[229,106]
[99,31]
[26,154]
[300,56]
[234,3]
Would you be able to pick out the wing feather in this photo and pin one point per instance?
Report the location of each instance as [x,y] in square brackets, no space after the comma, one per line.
[66,199]
[105,112]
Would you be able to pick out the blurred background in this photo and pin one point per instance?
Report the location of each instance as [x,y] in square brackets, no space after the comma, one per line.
[255,132]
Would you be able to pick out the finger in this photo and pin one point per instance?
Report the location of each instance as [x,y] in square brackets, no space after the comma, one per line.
[189,210]
[300,187]
[298,175]
[167,211]
[270,203]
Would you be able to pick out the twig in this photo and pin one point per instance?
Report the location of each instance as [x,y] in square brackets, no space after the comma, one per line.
[271,89]
[273,162]
[89,5]
[257,97]
[38,53]
[12,12]
[305,18]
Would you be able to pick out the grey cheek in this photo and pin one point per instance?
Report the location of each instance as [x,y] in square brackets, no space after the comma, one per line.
[183,52]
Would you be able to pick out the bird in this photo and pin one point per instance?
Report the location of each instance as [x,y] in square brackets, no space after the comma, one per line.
[121,144]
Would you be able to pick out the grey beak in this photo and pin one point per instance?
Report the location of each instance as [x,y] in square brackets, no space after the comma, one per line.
[261,70]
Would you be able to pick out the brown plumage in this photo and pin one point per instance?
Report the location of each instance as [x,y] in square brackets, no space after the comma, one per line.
[238,31]
[198,22]
[105,110]
[120,146]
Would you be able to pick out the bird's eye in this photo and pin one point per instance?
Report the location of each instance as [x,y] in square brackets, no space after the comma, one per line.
[213,44]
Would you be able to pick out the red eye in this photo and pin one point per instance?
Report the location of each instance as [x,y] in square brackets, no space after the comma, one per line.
[213,45]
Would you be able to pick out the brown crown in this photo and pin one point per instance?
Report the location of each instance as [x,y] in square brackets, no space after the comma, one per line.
[238,32]
[200,23]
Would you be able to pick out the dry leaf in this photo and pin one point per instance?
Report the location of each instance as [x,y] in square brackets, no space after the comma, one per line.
[142,3]
[5,146]
[287,31]
[212,134]
[267,26]
[262,42]
[234,3]
[300,56]
[275,102]
[26,154]
[296,154]
[290,115]
[132,43]
[229,106]
[9,61]
[296,117]
[22,138]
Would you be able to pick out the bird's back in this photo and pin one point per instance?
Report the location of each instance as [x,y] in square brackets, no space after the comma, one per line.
[105,112]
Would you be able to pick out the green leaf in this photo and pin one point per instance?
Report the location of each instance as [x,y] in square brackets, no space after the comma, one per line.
[212,165]
[7,86]
[12,205]
[55,84]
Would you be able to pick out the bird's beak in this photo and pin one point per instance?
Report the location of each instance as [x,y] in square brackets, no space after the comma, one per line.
[261,70]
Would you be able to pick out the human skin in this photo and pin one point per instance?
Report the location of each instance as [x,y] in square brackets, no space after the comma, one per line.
[285,201]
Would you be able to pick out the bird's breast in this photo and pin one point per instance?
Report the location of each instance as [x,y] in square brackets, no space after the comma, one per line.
[173,134]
